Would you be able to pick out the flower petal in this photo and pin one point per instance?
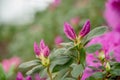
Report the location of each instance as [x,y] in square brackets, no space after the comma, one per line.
[86,29]
[69,31]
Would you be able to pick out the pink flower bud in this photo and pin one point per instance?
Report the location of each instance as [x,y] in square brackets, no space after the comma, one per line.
[86,29]
[58,40]
[37,77]
[69,31]
[46,51]
[42,49]
[42,44]
[28,78]
[36,49]
[75,21]
[19,76]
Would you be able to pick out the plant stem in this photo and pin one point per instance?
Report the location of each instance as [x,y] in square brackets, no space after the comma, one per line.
[79,78]
[49,73]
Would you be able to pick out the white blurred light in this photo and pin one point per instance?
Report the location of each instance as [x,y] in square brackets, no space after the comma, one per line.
[21,11]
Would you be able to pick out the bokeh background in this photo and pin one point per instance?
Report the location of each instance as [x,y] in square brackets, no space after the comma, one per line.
[22,22]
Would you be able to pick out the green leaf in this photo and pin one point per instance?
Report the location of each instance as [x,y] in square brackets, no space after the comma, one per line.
[60,60]
[2,73]
[98,75]
[82,56]
[11,71]
[77,70]
[60,67]
[115,65]
[35,69]
[91,78]
[115,72]
[29,64]
[68,44]
[69,79]
[96,32]
[57,52]
[93,48]
[93,68]
[61,74]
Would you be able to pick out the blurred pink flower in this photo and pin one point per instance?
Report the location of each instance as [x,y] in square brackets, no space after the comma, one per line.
[56,3]
[8,63]
[37,77]
[20,77]
[112,14]
[58,40]
[75,21]
[110,43]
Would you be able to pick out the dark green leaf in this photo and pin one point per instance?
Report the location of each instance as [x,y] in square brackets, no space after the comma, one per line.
[35,69]
[68,44]
[60,74]
[60,60]
[2,73]
[91,78]
[98,75]
[96,32]
[30,64]
[77,70]
[69,79]
[115,72]
[93,68]
[60,67]
[93,48]
[82,56]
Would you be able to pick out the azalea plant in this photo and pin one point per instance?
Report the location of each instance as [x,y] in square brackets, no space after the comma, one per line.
[69,60]
[78,59]
[87,55]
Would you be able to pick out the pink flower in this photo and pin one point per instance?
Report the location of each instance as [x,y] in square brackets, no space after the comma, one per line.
[86,29]
[37,77]
[56,3]
[75,21]
[28,78]
[110,43]
[42,49]
[112,14]
[20,77]
[69,31]
[58,40]
[8,63]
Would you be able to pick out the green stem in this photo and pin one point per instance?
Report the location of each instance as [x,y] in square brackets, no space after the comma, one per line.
[49,73]
[79,78]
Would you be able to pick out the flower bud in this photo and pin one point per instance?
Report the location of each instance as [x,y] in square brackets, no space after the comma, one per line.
[45,61]
[75,21]
[36,49]
[28,78]
[69,31]
[42,52]
[86,29]
[42,44]
[101,55]
[19,76]
[107,66]
[46,51]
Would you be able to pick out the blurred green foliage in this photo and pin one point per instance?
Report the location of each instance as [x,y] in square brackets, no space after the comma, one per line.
[18,40]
